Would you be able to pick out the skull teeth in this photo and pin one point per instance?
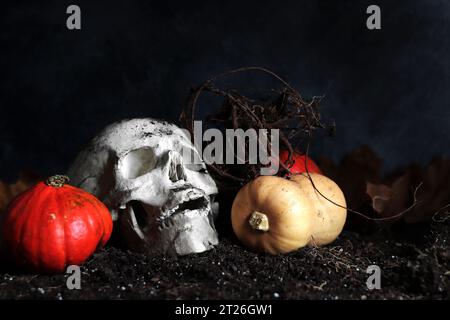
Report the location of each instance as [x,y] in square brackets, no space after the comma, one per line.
[197,206]
[192,203]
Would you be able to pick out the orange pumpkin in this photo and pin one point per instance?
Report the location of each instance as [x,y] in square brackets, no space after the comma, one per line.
[53,225]
[300,163]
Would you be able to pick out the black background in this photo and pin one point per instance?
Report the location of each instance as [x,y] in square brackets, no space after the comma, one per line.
[387,88]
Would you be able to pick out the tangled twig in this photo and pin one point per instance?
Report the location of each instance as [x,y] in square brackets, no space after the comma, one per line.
[286,110]
[442,214]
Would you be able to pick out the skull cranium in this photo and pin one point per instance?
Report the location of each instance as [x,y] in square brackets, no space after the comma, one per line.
[162,202]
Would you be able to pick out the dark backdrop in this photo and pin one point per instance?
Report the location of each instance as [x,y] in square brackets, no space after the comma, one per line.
[58,88]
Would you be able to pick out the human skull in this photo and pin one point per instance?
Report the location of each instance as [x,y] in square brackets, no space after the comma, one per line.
[162,201]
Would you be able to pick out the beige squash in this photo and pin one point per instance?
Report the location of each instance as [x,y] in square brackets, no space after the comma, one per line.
[273,214]
[329,219]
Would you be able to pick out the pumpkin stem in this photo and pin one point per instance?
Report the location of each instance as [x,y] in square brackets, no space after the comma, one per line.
[259,221]
[57,181]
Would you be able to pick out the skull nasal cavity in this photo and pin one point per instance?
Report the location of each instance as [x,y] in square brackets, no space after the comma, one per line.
[176,172]
[137,163]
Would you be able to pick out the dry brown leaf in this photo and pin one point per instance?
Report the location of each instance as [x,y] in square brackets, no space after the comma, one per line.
[390,201]
[435,192]
[9,191]
[427,190]
[4,195]
[380,195]
[366,191]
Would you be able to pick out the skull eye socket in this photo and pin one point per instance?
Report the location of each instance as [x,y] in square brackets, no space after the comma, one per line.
[137,163]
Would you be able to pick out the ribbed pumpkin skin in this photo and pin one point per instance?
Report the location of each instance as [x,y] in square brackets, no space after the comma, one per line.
[48,228]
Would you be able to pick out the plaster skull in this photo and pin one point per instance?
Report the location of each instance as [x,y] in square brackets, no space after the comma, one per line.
[161,202]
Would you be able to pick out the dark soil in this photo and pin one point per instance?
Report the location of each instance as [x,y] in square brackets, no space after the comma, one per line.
[414,260]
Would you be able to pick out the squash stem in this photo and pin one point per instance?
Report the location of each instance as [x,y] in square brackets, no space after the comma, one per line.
[57,181]
[259,221]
